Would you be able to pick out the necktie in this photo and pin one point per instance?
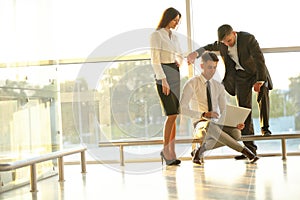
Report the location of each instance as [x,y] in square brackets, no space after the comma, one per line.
[208,93]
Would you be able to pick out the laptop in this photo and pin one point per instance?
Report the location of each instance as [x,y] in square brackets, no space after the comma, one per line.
[233,115]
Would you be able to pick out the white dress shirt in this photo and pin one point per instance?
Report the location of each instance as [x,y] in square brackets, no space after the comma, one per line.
[232,52]
[193,101]
[164,49]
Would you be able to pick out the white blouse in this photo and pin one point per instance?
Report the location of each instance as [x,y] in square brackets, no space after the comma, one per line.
[164,49]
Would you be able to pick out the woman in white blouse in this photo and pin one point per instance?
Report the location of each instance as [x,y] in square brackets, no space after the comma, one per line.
[166,59]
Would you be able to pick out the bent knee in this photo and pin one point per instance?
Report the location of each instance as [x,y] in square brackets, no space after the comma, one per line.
[236,134]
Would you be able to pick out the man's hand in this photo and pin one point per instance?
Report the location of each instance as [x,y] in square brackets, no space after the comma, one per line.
[211,114]
[191,57]
[240,126]
[177,63]
[257,86]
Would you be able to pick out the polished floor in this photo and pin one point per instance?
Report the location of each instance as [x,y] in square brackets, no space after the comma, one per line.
[271,178]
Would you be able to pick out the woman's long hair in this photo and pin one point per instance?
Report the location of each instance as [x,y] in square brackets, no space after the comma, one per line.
[168,15]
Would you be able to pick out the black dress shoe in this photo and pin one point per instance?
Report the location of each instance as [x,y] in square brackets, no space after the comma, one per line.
[266,132]
[197,161]
[193,152]
[195,155]
[241,157]
[198,155]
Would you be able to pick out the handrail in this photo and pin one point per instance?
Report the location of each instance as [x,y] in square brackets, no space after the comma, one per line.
[119,59]
[134,142]
[271,137]
[45,157]
[122,143]
[41,158]
[143,142]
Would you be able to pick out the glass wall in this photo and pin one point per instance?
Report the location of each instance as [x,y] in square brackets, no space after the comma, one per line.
[60,85]
[78,72]
[271,22]
[30,119]
[272,30]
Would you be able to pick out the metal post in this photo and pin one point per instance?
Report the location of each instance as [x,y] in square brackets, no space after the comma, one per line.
[61,169]
[83,162]
[283,146]
[33,178]
[189,34]
[121,155]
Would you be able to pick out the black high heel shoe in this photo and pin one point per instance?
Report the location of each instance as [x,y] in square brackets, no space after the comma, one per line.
[177,162]
[168,162]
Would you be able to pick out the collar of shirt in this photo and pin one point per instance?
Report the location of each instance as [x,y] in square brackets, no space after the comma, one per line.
[203,79]
[169,34]
[166,34]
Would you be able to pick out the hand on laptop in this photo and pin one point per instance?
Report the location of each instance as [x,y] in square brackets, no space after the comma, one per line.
[211,114]
[240,126]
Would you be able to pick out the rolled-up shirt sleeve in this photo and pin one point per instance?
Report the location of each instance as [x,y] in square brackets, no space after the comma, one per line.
[185,101]
[221,98]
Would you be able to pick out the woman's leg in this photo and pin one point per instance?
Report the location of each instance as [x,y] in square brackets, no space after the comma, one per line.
[169,136]
[172,141]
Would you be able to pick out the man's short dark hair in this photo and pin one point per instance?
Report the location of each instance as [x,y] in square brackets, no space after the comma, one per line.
[206,56]
[223,31]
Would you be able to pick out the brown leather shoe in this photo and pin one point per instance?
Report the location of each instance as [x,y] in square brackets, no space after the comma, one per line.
[250,155]
[197,155]
[197,161]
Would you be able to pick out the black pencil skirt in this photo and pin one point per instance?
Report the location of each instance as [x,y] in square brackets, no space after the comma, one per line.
[170,103]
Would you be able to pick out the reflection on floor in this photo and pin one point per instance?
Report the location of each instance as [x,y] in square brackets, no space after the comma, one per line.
[271,178]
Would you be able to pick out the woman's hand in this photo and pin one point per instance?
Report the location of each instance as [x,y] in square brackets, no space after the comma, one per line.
[165,86]
[240,126]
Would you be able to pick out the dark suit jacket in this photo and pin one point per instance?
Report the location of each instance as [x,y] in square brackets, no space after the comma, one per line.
[250,57]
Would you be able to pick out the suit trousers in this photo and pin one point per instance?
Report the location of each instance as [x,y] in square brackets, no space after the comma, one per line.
[215,136]
[244,87]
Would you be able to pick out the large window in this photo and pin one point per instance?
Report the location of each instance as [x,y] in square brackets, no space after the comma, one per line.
[70,75]
[80,70]
[271,22]
[271,29]
[66,29]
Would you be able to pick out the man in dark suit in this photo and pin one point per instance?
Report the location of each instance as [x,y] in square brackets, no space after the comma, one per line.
[244,68]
